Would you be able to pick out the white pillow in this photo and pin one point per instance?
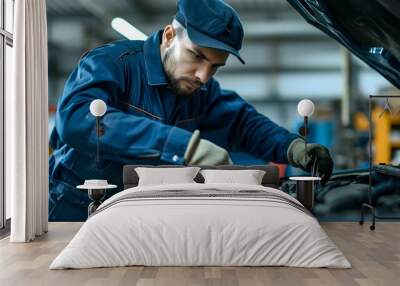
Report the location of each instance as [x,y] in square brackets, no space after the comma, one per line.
[248,177]
[162,176]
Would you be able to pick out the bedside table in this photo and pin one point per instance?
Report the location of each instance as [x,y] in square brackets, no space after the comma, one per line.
[96,190]
[305,187]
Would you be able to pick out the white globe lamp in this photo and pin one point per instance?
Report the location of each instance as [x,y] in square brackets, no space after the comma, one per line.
[305,107]
[98,107]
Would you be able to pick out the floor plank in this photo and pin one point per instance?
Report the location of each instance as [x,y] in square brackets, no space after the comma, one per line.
[374,255]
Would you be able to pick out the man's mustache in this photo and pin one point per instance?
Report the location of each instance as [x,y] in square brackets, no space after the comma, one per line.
[193,81]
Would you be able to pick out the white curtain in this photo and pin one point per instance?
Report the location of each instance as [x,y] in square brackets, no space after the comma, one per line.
[26,123]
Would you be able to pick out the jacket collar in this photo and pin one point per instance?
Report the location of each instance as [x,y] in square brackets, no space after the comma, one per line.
[152,60]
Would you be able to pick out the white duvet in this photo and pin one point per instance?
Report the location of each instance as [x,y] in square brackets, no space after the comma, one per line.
[221,225]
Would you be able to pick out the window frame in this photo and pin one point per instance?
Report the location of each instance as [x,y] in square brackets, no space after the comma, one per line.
[6,39]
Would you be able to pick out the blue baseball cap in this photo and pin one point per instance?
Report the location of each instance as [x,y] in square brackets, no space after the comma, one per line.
[212,24]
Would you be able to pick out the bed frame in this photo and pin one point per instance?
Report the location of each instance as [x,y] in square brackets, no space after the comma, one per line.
[270,179]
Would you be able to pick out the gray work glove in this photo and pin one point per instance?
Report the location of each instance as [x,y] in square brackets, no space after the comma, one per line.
[318,158]
[203,152]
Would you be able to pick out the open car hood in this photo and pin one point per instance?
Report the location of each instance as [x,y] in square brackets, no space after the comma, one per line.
[370,29]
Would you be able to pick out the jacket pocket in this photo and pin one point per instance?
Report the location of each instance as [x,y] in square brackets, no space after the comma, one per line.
[136,110]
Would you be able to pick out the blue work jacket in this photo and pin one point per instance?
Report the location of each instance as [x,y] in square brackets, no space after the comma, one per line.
[145,122]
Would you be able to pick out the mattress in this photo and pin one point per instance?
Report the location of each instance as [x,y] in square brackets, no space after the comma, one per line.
[201,225]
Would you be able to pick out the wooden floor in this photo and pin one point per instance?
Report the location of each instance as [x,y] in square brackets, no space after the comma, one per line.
[374,255]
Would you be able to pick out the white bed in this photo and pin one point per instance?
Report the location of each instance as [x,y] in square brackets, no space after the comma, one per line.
[201,224]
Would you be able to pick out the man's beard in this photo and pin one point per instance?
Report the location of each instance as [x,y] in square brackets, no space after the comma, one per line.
[173,83]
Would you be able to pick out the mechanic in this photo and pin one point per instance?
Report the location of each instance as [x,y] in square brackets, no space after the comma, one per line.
[163,107]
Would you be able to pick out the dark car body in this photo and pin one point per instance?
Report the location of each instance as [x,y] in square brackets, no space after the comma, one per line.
[370,29]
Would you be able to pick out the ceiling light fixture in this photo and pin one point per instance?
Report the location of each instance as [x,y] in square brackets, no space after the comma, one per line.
[127,30]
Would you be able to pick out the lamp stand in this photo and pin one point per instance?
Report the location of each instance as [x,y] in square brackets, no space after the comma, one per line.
[98,141]
[305,135]
[370,205]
